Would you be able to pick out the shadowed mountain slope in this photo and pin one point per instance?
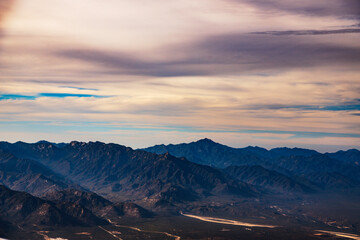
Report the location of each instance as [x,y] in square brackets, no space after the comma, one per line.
[326,171]
[119,172]
[259,176]
[208,152]
[98,205]
[351,156]
[29,175]
[25,209]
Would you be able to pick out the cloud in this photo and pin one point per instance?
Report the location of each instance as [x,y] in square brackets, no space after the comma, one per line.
[229,54]
[272,52]
[80,88]
[312,32]
[127,64]
[195,49]
[340,107]
[184,68]
[178,107]
[6,7]
[338,8]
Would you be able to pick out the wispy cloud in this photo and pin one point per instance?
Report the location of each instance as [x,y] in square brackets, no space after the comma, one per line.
[5,8]
[184,69]
[128,64]
[250,52]
[339,8]
[234,53]
[312,32]
[352,106]
[80,88]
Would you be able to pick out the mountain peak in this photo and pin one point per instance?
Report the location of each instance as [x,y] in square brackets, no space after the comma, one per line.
[43,142]
[206,140]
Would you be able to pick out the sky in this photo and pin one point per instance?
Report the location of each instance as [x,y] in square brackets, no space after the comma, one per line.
[267,73]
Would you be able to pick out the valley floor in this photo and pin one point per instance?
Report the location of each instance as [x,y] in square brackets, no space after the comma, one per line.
[179,227]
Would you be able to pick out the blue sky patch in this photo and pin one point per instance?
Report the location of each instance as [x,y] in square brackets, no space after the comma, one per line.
[64,95]
[16,97]
[52,95]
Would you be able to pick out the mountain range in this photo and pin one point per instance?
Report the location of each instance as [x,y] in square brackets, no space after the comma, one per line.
[119,172]
[302,167]
[86,184]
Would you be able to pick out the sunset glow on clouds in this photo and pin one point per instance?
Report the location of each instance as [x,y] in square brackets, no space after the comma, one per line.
[268,73]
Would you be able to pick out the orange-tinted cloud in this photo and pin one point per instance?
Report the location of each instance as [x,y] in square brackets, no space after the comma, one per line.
[177,71]
[5,7]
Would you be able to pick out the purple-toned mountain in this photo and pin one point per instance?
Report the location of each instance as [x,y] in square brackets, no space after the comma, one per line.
[308,168]
[208,152]
[121,173]
[29,176]
[24,209]
[272,180]
[98,205]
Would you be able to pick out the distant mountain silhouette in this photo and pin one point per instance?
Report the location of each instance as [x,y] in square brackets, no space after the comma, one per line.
[287,152]
[208,152]
[325,171]
[350,156]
